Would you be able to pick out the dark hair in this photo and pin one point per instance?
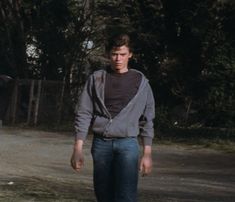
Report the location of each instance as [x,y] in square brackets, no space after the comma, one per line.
[117,40]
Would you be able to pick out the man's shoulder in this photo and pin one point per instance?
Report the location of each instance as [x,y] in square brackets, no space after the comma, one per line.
[137,72]
[98,75]
[99,72]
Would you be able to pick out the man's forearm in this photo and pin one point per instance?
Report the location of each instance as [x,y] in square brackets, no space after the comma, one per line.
[78,144]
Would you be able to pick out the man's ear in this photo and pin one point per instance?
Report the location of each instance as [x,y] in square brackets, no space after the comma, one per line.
[130,54]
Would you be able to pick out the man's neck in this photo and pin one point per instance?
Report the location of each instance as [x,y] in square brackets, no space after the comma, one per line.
[119,71]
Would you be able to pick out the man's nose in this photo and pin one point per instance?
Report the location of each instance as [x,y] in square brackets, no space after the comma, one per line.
[118,57]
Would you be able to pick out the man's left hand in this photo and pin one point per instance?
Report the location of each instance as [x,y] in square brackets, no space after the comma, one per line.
[146,164]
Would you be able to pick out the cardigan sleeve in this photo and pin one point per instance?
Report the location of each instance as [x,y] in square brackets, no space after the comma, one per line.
[84,111]
[146,120]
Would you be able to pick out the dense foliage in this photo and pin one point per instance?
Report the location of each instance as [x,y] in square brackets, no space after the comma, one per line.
[185,47]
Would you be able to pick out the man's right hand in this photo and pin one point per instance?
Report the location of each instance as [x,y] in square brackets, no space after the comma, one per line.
[77,159]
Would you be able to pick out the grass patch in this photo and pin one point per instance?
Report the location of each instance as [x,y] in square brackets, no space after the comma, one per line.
[35,189]
[217,144]
[214,138]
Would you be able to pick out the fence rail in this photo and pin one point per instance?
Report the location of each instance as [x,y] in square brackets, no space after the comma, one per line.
[36,102]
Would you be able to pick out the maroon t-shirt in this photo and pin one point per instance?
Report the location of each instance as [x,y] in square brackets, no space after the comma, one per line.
[120,88]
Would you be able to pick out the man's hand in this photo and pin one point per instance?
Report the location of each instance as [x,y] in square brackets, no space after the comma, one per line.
[77,159]
[146,161]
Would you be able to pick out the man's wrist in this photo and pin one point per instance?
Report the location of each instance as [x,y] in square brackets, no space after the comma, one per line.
[147,150]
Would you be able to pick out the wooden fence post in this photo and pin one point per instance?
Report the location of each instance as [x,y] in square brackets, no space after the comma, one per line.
[31,97]
[14,101]
[37,102]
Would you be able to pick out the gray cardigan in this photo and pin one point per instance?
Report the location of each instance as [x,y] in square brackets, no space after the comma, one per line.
[134,119]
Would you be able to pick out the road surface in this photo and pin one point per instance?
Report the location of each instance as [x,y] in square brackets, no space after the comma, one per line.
[34,166]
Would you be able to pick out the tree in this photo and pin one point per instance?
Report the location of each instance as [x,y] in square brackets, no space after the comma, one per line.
[218,56]
[13,40]
[185,48]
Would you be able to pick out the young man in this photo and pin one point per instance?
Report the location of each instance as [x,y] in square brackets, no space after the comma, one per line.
[118,105]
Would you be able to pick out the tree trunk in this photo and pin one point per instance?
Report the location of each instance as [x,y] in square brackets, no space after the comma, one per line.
[14,102]
[37,102]
[31,98]
[14,35]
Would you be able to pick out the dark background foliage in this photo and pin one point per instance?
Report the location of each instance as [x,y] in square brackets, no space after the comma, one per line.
[186,48]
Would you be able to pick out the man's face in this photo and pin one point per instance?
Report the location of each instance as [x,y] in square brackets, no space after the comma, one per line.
[119,57]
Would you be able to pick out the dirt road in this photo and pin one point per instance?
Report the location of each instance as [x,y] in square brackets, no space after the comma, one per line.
[34,166]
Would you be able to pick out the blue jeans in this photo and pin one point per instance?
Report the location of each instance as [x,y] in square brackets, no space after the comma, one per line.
[115,169]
